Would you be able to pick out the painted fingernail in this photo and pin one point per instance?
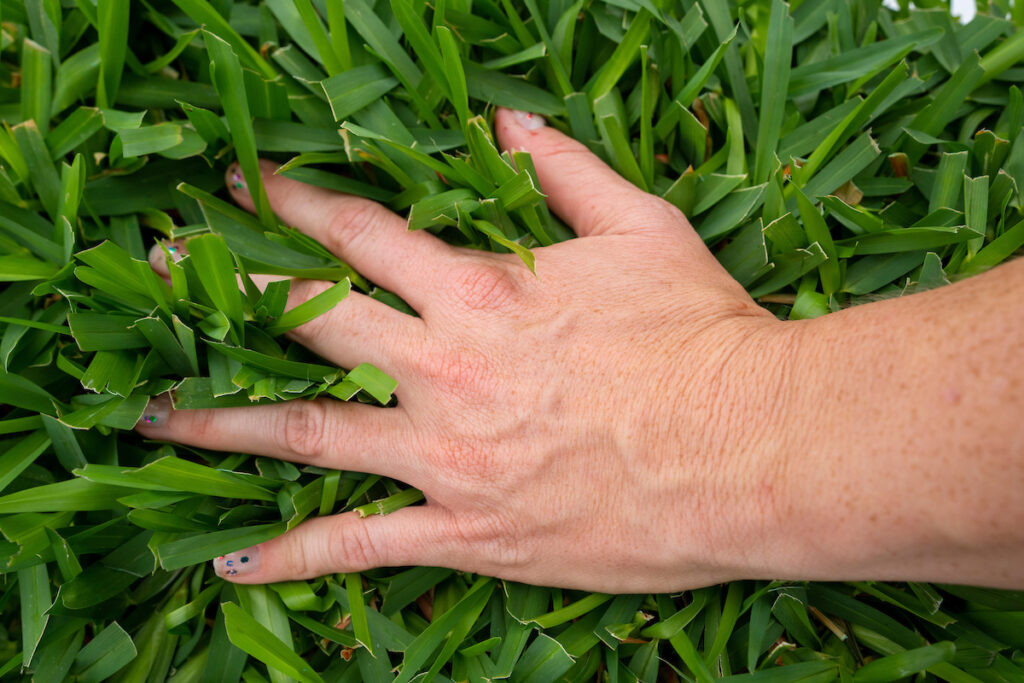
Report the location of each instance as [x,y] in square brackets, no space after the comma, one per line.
[157,412]
[235,177]
[529,120]
[241,563]
[156,254]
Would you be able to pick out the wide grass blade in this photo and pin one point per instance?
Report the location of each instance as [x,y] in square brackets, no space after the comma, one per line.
[227,76]
[112,21]
[250,636]
[36,92]
[777,59]
[214,267]
[829,154]
[106,654]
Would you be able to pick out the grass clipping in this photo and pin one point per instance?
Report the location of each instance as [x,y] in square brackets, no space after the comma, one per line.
[826,152]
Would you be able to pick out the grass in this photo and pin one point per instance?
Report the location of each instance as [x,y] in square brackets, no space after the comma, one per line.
[828,153]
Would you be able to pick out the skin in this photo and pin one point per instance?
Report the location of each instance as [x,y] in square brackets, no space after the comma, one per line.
[629,420]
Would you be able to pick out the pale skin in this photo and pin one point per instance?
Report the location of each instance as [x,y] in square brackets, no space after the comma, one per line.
[629,420]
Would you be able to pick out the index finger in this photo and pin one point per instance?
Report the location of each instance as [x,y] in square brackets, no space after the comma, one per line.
[364,234]
[587,193]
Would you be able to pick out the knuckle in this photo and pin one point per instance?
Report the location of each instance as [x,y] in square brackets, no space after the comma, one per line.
[303,432]
[496,537]
[301,553]
[666,212]
[353,221]
[484,288]
[459,371]
[637,211]
[353,547]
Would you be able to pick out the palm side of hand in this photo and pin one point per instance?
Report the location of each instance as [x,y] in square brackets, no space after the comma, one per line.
[590,427]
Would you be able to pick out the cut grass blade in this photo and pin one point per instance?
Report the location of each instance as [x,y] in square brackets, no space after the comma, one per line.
[112,21]
[227,76]
[325,49]
[252,637]
[310,309]
[889,163]
[37,72]
[777,59]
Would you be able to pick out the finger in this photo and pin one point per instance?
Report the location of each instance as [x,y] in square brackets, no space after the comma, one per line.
[323,432]
[414,536]
[582,189]
[175,250]
[358,330]
[366,235]
[161,252]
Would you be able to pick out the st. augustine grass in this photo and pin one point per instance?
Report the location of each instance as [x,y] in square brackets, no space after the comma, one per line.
[828,152]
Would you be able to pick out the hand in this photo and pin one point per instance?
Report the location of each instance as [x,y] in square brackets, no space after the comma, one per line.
[603,425]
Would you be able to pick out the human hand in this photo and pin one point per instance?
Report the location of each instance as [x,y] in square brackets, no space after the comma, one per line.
[603,425]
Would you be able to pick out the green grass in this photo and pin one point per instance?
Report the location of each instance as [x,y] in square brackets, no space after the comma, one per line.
[828,152]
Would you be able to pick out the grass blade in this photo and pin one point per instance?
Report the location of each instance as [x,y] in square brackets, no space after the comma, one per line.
[37,72]
[34,589]
[777,60]
[252,637]
[227,76]
[112,20]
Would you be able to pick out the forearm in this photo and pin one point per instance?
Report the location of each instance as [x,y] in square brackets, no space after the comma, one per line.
[911,416]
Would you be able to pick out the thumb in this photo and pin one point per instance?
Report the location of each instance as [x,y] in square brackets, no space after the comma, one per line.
[339,544]
[583,190]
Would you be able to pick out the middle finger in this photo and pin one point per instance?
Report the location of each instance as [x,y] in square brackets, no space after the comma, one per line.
[322,432]
[359,329]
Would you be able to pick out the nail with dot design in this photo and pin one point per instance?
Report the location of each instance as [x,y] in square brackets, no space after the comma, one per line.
[239,563]
[235,177]
[529,120]
[158,258]
[157,412]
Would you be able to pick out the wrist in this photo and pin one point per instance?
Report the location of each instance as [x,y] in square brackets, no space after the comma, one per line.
[794,474]
[873,479]
[881,442]
[793,517]
[752,480]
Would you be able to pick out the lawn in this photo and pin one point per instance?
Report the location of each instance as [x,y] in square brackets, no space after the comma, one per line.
[829,152]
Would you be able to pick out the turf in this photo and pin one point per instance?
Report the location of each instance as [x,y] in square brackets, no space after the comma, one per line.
[829,152]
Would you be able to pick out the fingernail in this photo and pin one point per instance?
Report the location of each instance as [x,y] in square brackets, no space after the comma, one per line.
[156,254]
[241,563]
[157,413]
[235,178]
[529,120]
